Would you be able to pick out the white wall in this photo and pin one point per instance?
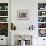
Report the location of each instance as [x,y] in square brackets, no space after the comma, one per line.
[32,6]
[24,5]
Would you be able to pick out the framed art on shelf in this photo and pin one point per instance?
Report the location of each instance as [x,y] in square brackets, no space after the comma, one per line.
[22,14]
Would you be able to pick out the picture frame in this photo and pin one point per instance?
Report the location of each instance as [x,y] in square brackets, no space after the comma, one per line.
[22,14]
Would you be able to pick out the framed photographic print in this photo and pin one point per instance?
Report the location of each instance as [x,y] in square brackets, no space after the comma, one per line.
[22,14]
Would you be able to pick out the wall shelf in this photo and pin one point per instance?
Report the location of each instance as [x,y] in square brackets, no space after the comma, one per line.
[3,10]
[42,19]
[3,16]
[41,28]
[42,16]
[4,19]
[3,22]
[41,10]
[41,22]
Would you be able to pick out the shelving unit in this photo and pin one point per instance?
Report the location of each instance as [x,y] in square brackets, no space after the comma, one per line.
[42,19]
[4,19]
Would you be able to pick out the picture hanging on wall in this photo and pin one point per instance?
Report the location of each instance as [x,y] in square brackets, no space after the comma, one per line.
[22,14]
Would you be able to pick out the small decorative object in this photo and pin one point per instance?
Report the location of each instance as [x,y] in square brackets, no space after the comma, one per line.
[41,8]
[3,19]
[43,13]
[45,7]
[42,25]
[42,19]
[42,32]
[31,27]
[22,14]
[6,7]
[13,27]
[0,7]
